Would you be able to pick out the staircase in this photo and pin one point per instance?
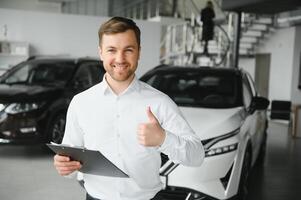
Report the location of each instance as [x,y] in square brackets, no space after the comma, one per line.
[255,30]
[181,41]
[182,45]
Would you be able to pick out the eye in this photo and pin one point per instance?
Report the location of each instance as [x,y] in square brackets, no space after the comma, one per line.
[111,50]
[129,50]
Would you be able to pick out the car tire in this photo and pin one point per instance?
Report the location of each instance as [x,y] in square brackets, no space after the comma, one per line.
[56,128]
[242,193]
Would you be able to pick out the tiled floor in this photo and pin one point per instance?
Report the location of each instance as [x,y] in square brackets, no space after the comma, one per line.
[279,176]
[28,172]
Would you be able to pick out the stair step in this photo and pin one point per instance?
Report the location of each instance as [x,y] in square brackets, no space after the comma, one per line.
[248,39]
[251,33]
[246,45]
[259,27]
[263,20]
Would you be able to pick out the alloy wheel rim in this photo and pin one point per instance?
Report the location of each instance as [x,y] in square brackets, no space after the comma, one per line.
[58,130]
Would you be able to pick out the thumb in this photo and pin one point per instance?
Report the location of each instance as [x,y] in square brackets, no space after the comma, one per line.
[152,118]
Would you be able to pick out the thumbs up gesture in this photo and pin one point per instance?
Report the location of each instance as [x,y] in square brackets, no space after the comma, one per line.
[150,133]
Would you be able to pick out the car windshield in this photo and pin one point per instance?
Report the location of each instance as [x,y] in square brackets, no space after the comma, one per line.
[210,89]
[39,73]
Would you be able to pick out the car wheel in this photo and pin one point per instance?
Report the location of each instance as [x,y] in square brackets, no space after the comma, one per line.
[57,128]
[244,177]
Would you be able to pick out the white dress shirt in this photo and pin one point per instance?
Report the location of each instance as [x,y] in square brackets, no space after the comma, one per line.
[98,119]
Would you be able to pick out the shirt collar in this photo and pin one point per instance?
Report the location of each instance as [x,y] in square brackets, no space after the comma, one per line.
[134,86]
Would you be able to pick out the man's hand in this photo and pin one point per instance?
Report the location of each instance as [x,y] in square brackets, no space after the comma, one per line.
[151,133]
[65,166]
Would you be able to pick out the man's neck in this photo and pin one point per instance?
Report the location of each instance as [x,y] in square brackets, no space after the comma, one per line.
[118,86]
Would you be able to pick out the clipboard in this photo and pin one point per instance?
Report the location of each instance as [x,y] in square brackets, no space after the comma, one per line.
[93,162]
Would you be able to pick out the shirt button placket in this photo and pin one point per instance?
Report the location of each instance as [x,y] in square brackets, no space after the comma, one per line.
[118,126]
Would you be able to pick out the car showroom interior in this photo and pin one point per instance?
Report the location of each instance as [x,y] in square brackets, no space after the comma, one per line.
[226,71]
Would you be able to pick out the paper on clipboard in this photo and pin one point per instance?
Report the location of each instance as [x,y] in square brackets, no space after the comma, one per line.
[93,162]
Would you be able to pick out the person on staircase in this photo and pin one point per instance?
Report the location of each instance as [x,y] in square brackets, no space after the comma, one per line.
[207,16]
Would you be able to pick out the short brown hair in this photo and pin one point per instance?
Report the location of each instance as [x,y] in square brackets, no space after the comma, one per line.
[118,25]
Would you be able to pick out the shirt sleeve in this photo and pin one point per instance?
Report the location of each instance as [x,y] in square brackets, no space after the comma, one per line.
[181,144]
[73,133]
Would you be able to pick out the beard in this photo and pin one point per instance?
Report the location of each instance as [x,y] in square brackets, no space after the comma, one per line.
[121,74]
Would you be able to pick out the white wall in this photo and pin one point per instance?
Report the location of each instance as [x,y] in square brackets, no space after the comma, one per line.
[280,45]
[76,35]
[296,93]
[33,5]
[248,64]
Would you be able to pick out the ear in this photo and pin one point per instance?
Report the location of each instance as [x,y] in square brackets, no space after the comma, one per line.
[100,53]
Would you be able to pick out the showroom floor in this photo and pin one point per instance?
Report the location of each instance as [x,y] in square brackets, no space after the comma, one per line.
[28,172]
[279,176]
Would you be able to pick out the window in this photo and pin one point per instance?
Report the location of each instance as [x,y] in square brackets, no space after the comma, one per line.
[41,72]
[19,76]
[88,74]
[199,88]
[252,84]
[56,73]
[247,92]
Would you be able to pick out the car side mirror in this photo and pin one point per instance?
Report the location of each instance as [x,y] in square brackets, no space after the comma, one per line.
[259,103]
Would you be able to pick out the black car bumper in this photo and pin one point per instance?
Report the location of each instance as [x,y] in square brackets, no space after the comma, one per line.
[181,193]
[20,129]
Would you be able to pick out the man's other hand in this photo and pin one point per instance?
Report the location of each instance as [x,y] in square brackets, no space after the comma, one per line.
[64,165]
[151,133]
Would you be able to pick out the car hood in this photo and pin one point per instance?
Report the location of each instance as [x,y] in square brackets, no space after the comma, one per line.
[209,123]
[25,93]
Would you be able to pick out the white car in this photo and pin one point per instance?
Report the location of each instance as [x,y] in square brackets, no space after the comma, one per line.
[225,111]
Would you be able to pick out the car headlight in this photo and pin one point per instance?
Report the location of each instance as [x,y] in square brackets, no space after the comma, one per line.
[15,108]
[220,150]
[2,106]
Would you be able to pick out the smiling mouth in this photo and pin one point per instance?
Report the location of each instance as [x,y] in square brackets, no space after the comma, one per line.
[120,67]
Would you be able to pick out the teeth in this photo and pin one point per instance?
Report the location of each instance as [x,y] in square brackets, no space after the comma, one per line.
[120,66]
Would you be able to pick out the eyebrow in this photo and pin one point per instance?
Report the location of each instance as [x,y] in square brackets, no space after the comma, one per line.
[127,47]
[130,46]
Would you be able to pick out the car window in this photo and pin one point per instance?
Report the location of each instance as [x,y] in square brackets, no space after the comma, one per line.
[19,76]
[57,73]
[40,72]
[247,92]
[88,74]
[252,84]
[195,89]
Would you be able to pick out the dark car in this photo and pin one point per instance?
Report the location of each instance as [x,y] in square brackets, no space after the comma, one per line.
[35,94]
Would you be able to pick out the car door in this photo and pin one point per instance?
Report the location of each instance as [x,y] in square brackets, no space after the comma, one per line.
[255,121]
[260,120]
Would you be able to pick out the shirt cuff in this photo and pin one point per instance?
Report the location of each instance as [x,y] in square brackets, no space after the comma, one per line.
[73,175]
[168,141]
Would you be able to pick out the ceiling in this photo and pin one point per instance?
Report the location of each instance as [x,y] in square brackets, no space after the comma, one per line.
[261,6]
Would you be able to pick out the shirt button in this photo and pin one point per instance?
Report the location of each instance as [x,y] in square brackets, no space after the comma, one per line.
[118,135]
[119,154]
[117,115]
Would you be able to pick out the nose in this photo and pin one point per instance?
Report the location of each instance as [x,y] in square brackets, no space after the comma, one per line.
[120,57]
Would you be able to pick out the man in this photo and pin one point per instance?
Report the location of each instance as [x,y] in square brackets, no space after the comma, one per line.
[207,15]
[128,121]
